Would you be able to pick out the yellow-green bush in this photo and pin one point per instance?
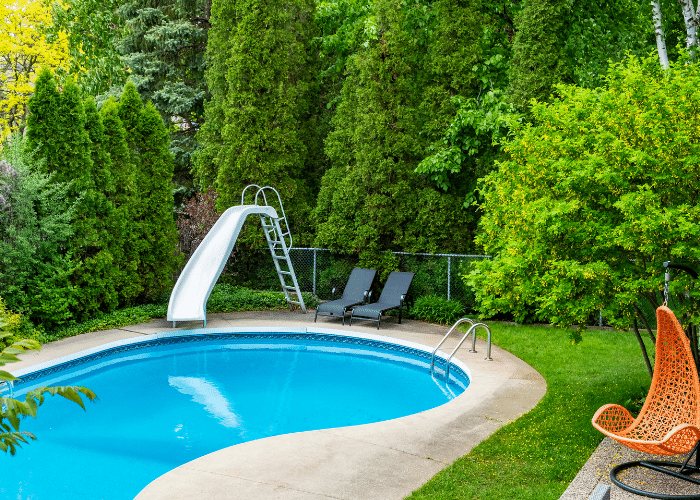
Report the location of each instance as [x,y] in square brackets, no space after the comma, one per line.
[599,191]
[9,321]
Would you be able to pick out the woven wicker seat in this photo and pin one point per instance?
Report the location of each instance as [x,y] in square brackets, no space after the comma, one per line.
[669,422]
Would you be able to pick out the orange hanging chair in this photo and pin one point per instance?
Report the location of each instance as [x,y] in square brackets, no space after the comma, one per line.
[669,422]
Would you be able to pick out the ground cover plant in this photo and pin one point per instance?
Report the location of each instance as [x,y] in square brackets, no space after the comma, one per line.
[539,454]
[224,298]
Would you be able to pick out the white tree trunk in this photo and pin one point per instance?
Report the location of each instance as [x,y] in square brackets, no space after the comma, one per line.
[691,24]
[660,35]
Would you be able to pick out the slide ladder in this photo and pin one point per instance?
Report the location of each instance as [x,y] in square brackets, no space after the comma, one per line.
[279,240]
[188,300]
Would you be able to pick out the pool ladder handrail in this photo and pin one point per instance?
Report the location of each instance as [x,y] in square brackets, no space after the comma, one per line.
[472,330]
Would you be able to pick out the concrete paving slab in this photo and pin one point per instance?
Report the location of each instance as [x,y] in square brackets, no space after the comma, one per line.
[386,460]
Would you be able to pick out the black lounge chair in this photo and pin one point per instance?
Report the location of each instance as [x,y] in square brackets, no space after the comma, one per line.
[393,297]
[356,292]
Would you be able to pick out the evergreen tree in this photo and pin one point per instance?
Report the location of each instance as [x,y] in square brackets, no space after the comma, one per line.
[35,229]
[539,60]
[72,160]
[154,233]
[122,224]
[259,124]
[395,100]
[164,50]
[158,260]
[96,278]
[42,121]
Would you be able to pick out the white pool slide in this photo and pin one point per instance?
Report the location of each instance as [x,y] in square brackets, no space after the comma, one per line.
[189,297]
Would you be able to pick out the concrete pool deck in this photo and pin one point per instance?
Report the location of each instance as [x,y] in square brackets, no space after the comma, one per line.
[383,461]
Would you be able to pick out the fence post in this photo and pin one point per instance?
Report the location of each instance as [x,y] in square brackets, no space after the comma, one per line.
[449,275]
[314,284]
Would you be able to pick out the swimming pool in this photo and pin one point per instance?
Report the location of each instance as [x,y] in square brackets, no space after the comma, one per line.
[168,399]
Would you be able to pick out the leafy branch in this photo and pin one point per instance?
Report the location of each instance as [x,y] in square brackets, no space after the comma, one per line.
[12,410]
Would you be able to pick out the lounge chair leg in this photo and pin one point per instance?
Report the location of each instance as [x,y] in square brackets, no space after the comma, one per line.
[316,315]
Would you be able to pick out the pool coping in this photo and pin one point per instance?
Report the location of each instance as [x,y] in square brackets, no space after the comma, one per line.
[385,460]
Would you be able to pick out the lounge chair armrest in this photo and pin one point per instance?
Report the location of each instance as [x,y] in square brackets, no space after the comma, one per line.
[367,296]
[612,419]
[333,292]
[403,298]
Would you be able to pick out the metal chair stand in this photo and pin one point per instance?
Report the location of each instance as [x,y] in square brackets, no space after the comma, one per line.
[662,468]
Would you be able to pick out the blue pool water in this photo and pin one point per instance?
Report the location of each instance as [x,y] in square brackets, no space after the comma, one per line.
[164,403]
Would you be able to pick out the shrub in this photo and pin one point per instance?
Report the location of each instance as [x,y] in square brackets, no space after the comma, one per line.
[599,191]
[230,298]
[437,309]
[10,323]
[35,228]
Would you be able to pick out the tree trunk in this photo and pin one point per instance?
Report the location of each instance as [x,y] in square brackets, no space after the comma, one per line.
[691,25]
[646,324]
[660,35]
[643,347]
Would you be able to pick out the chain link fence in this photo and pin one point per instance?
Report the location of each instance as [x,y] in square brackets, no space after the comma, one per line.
[319,270]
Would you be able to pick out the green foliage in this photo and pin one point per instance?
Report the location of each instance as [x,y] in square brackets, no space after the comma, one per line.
[150,207]
[164,48]
[158,257]
[13,410]
[93,28]
[470,145]
[600,32]
[35,227]
[600,190]
[395,100]
[228,298]
[43,120]
[9,323]
[538,61]
[259,125]
[122,224]
[437,309]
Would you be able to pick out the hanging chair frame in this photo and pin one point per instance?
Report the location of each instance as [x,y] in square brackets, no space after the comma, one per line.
[679,433]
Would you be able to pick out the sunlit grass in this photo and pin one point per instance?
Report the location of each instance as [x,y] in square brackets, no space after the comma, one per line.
[537,456]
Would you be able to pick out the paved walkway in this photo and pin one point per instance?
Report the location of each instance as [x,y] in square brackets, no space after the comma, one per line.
[609,454]
[384,461]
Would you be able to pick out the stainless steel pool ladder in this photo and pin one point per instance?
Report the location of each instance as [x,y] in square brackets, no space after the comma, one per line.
[472,330]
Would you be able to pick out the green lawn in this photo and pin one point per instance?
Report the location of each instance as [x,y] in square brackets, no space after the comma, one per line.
[537,456]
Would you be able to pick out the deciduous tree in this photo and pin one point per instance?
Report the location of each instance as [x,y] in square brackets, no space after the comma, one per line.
[25,47]
[600,190]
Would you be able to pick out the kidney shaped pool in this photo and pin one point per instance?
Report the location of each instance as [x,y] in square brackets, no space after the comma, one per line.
[168,400]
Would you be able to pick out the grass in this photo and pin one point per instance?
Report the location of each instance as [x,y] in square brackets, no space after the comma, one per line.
[539,454]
